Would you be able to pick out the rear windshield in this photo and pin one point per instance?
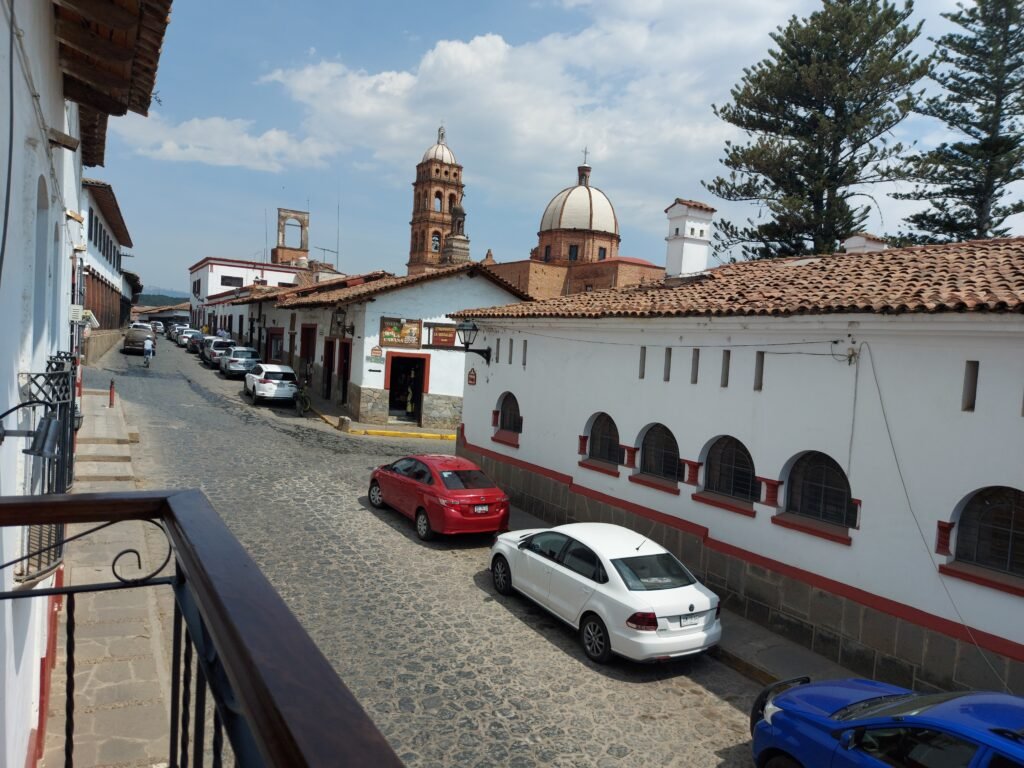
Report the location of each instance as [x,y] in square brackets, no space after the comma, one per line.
[650,572]
[243,353]
[455,479]
[279,375]
[223,344]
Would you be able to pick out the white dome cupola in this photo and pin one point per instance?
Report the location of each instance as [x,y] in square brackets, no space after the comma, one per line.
[440,151]
[580,207]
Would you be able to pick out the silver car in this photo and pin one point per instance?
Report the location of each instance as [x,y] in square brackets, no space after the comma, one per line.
[238,360]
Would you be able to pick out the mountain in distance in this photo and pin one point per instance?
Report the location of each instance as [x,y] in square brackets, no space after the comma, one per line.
[167,292]
[148,299]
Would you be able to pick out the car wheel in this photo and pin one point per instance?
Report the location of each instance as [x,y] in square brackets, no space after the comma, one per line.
[595,641]
[423,529]
[502,576]
[782,761]
[376,497]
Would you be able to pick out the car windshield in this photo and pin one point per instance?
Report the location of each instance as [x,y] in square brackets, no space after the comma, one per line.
[279,375]
[650,572]
[896,705]
[457,479]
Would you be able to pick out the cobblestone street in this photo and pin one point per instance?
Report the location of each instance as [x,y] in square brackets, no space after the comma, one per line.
[452,674]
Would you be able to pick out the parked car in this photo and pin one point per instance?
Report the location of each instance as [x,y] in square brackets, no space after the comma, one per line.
[135,338]
[847,723]
[442,494]
[215,349]
[200,344]
[624,593]
[157,326]
[273,382]
[174,329]
[140,325]
[185,335]
[238,360]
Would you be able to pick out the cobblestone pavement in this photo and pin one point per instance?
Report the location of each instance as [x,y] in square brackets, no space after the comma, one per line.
[452,673]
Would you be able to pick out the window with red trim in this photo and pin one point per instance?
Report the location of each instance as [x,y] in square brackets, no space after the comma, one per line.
[730,470]
[659,454]
[990,533]
[818,489]
[509,419]
[604,441]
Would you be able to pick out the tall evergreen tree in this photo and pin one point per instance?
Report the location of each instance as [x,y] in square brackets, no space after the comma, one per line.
[819,110]
[981,71]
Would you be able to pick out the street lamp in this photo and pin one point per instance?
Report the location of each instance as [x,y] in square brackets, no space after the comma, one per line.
[467,332]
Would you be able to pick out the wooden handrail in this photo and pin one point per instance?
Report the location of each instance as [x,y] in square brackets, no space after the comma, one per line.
[299,711]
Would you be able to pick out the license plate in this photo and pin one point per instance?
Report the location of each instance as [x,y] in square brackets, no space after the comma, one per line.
[689,621]
[481,509]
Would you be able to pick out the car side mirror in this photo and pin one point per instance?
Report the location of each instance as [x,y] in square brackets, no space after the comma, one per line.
[851,738]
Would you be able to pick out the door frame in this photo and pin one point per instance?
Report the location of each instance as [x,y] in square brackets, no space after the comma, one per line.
[326,383]
[344,376]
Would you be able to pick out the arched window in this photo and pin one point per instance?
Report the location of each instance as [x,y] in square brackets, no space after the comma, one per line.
[509,419]
[451,202]
[604,440]
[818,488]
[435,242]
[730,470]
[990,533]
[547,253]
[438,202]
[659,454]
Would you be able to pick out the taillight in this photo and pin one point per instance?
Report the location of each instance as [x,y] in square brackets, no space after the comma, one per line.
[646,622]
[718,611]
[447,502]
[265,381]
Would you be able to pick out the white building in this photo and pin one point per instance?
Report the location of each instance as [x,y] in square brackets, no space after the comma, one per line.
[213,281]
[59,125]
[379,345]
[834,443]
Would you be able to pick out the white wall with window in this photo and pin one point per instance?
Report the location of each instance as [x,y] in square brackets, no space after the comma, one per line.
[213,276]
[841,445]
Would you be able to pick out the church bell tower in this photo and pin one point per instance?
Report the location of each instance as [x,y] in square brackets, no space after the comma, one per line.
[436,203]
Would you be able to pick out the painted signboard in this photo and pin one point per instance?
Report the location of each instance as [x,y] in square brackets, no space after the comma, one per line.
[400,333]
[471,377]
[442,335]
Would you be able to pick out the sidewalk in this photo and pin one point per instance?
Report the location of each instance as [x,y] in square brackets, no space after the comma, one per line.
[331,414]
[121,650]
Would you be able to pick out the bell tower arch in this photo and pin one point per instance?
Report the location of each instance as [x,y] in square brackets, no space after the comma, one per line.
[437,195]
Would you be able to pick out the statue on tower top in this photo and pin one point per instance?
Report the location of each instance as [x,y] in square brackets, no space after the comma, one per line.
[440,135]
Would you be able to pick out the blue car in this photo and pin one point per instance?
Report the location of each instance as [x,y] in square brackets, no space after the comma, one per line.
[847,723]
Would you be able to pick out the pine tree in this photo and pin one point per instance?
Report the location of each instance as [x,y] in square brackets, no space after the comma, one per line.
[981,71]
[819,110]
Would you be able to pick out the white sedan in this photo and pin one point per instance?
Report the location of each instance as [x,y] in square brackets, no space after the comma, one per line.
[624,593]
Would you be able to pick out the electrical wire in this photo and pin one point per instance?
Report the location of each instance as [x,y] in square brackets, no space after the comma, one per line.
[10,142]
[687,346]
[917,523]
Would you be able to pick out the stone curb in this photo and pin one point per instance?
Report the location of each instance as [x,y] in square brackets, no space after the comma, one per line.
[396,433]
[743,666]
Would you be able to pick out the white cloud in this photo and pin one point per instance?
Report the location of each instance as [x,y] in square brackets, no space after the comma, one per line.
[219,141]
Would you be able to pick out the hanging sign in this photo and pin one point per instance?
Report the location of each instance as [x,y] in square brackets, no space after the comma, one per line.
[442,336]
[471,377]
[376,356]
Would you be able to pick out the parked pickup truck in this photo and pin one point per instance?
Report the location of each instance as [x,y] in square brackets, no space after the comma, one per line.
[135,338]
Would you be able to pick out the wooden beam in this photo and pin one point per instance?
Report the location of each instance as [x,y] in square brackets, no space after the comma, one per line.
[85,40]
[77,91]
[103,12]
[61,139]
[89,73]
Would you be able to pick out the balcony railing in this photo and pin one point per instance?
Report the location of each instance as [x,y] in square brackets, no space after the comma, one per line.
[272,693]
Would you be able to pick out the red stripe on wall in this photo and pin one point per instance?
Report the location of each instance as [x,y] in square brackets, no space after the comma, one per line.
[908,613]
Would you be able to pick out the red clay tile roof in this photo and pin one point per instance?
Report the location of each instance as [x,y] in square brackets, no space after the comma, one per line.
[346,295]
[976,276]
[265,292]
[106,201]
[693,204]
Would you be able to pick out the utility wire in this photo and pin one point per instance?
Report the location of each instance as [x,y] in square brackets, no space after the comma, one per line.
[687,346]
[10,142]
[917,523]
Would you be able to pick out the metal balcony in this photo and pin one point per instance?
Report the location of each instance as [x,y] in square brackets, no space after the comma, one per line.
[236,650]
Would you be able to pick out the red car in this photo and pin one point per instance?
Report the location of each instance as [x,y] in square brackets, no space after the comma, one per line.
[443,494]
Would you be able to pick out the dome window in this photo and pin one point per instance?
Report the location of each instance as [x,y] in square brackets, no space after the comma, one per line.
[574,252]
[602,254]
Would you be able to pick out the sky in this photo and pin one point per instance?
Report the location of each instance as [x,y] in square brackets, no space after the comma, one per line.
[328,106]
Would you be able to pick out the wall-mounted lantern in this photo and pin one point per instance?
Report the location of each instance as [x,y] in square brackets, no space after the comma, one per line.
[467,332]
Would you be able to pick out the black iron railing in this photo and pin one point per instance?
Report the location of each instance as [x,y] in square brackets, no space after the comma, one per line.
[245,676]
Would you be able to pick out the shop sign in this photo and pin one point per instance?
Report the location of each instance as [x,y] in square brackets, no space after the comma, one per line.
[442,336]
[400,333]
[471,377]
[376,356]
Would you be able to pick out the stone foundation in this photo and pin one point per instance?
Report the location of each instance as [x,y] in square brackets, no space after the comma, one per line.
[99,343]
[370,406]
[441,411]
[870,642]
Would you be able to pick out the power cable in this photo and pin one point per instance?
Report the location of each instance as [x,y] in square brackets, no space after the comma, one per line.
[10,142]
[917,523]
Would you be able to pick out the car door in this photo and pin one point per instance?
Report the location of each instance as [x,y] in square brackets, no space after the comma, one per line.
[394,485]
[420,482]
[902,746]
[573,581]
[536,562]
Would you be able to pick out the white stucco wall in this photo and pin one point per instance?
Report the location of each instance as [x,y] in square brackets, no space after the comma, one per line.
[34,298]
[94,258]
[810,401]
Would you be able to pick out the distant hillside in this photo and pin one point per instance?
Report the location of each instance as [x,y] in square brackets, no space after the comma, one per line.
[168,292]
[159,299]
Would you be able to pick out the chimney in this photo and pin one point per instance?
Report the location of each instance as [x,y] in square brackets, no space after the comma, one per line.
[689,237]
[584,171]
[302,262]
[864,242]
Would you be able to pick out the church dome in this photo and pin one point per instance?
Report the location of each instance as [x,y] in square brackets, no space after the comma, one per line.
[580,207]
[440,151]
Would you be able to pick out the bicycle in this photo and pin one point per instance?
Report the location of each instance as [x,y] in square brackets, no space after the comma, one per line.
[302,402]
